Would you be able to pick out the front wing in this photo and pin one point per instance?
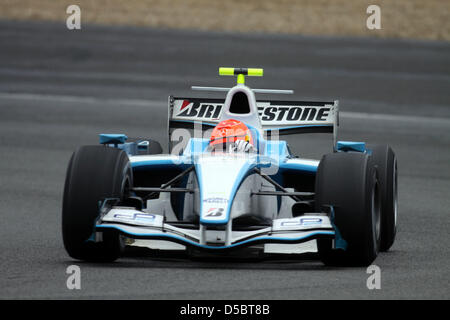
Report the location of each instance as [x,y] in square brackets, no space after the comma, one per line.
[140,225]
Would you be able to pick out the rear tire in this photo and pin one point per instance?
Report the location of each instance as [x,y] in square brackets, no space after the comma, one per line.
[348,182]
[386,162]
[94,174]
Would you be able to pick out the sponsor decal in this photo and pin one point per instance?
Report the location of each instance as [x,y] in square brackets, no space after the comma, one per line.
[214,212]
[215,200]
[136,217]
[294,113]
[301,222]
[144,217]
[268,112]
[309,221]
[199,110]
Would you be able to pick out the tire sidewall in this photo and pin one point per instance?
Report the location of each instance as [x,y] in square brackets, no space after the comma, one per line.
[94,174]
[347,181]
[385,160]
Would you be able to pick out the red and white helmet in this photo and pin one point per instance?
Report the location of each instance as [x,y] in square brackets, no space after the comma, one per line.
[228,132]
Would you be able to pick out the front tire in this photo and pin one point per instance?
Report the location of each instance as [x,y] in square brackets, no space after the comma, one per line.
[386,162]
[94,174]
[348,183]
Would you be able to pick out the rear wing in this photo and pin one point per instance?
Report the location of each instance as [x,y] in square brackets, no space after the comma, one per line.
[284,117]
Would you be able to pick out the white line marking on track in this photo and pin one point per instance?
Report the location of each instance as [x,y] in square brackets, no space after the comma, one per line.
[79,99]
[148,103]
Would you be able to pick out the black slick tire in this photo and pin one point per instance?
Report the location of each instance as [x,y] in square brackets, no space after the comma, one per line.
[94,173]
[347,182]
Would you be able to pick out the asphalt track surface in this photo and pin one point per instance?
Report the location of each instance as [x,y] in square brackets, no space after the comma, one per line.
[59,89]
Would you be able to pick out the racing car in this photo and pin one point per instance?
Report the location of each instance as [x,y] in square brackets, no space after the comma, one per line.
[229,184]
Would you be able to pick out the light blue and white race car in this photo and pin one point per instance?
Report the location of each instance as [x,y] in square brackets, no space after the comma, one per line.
[229,184]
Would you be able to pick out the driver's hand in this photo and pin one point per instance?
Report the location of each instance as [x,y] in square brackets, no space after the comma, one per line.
[241,146]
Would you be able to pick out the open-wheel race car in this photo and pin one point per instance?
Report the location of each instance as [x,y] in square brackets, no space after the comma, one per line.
[228,184]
